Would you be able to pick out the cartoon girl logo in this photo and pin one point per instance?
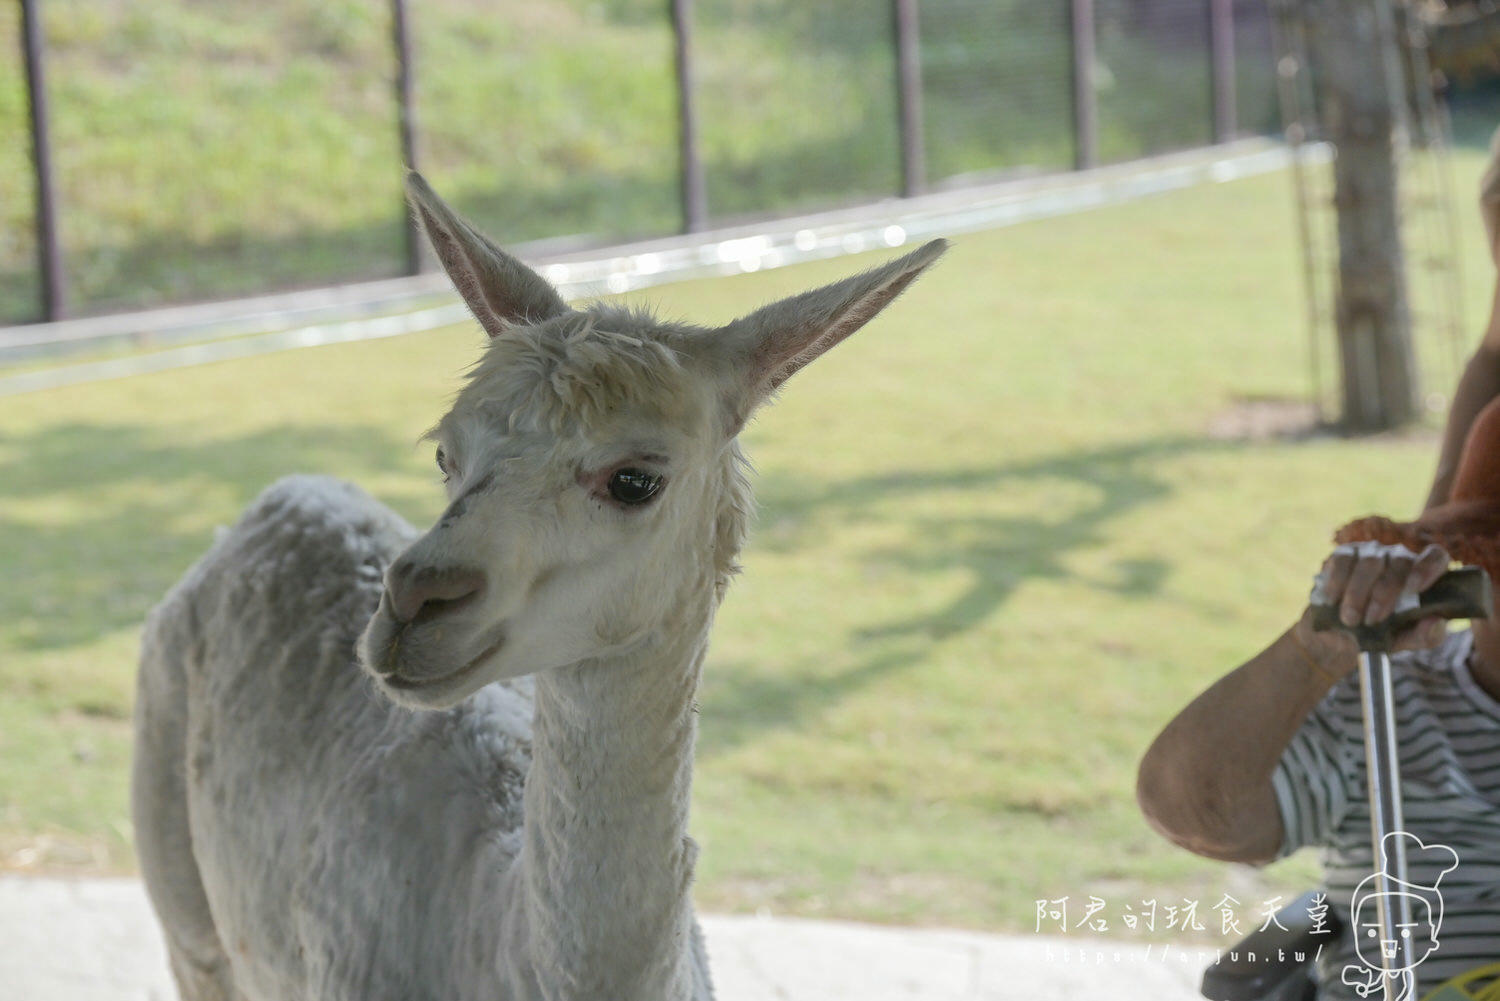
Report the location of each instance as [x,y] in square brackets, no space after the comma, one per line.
[1420,932]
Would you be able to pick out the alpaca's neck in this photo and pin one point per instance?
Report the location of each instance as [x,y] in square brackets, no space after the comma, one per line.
[605,865]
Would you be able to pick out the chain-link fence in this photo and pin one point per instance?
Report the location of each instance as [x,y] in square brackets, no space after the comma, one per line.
[206,149]
[997,82]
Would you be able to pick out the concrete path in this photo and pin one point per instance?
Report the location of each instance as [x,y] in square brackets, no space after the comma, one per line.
[97,940]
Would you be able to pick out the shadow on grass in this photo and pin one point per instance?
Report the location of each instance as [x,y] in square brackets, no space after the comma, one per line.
[97,521]
[998,554]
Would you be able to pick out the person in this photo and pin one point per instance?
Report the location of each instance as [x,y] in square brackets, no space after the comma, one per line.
[1270,758]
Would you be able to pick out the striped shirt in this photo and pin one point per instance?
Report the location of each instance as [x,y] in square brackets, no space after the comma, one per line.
[1449,735]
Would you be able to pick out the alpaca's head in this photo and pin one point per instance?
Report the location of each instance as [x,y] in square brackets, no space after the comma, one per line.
[593,474]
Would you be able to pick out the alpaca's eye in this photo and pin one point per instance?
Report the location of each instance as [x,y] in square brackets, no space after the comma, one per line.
[633,486]
[442,463]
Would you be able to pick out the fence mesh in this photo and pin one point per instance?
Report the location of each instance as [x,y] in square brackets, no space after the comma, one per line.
[1154,77]
[996,87]
[551,118]
[180,172]
[203,150]
[1256,107]
[797,104]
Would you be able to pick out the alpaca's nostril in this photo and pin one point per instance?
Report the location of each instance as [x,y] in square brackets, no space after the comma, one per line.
[434,607]
[421,593]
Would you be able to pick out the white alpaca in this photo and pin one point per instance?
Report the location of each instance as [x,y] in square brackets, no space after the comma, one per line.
[304,835]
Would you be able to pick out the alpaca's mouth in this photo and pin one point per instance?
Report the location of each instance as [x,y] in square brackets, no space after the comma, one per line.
[447,680]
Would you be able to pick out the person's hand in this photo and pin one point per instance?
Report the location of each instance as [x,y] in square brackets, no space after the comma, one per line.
[1368,582]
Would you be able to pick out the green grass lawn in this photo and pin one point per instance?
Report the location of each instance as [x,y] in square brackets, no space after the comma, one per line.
[997,548]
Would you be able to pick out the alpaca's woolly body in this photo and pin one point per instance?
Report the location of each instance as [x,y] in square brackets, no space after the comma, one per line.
[523,836]
[296,767]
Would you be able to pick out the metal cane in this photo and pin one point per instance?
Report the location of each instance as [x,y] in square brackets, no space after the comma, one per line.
[1458,594]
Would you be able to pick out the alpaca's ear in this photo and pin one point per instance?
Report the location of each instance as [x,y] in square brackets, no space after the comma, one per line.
[500,290]
[770,345]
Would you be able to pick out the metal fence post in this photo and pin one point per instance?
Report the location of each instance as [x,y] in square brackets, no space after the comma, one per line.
[690,164]
[1085,97]
[48,253]
[1221,49]
[406,122]
[909,98]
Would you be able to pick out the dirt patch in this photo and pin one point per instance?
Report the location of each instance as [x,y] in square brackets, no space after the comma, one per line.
[1280,418]
[55,854]
[1267,419]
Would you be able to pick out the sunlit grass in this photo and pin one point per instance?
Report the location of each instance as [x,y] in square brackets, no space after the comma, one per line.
[997,549]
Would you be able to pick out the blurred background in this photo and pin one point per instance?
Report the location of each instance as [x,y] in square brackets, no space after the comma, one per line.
[180,174]
[1081,470]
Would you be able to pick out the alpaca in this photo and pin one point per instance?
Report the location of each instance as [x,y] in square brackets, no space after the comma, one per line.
[304,834]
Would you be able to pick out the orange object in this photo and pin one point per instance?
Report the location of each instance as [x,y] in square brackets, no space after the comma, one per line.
[1468,524]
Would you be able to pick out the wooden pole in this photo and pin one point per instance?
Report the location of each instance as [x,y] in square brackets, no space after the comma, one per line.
[1362,106]
[1085,96]
[1221,47]
[406,122]
[909,96]
[48,250]
[693,191]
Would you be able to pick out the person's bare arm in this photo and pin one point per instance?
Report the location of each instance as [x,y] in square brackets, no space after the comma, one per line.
[1205,782]
[1479,384]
